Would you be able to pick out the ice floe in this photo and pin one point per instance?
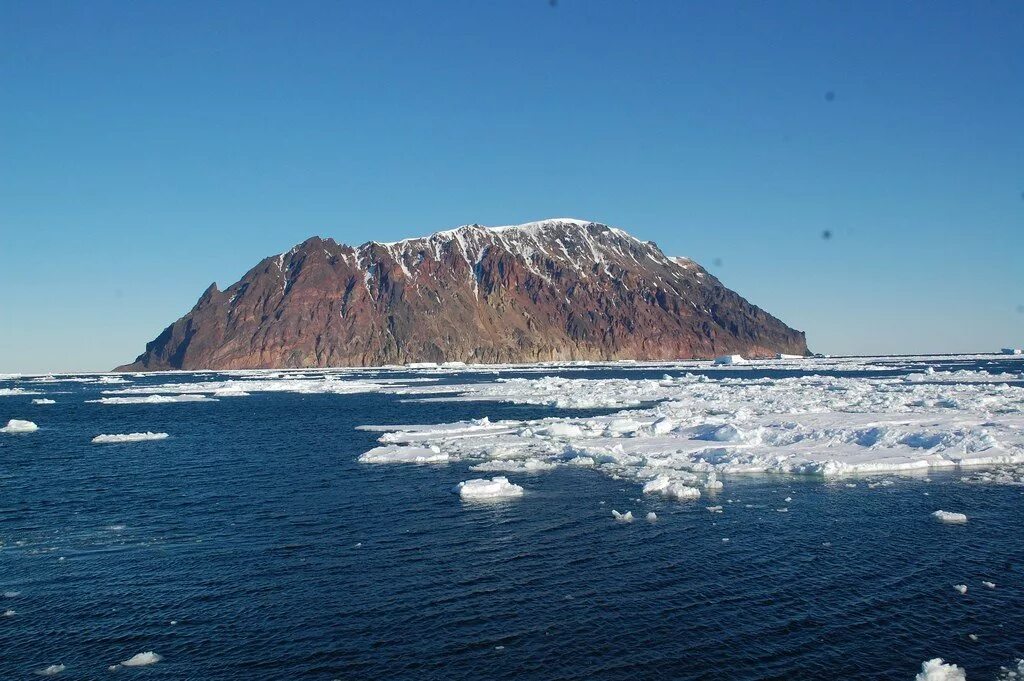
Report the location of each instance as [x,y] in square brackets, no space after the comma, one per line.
[950,517]
[626,517]
[960,588]
[139,660]
[497,487]
[43,400]
[155,399]
[19,426]
[393,454]
[52,670]
[128,437]
[936,669]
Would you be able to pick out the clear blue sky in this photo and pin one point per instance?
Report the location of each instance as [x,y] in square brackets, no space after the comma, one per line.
[147,149]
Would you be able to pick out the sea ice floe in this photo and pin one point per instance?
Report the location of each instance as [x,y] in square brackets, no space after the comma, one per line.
[142,659]
[990,585]
[155,399]
[19,426]
[671,489]
[128,437]
[398,454]
[950,517]
[16,392]
[960,588]
[936,669]
[652,517]
[9,613]
[43,400]
[497,487]
[515,466]
[626,517]
[52,670]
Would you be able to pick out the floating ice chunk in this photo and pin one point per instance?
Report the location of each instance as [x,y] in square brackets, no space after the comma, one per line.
[401,454]
[581,461]
[514,466]
[788,499]
[230,391]
[14,392]
[962,588]
[142,659]
[626,517]
[52,670]
[9,613]
[11,594]
[713,482]
[937,670]
[155,399]
[652,517]
[949,517]
[481,488]
[990,585]
[662,426]
[19,426]
[730,359]
[561,430]
[128,437]
[671,489]
[715,509]
[43,400]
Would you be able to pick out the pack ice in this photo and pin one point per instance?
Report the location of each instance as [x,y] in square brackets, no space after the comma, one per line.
[683,435]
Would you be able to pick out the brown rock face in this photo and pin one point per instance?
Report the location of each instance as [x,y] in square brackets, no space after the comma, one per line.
[551,290]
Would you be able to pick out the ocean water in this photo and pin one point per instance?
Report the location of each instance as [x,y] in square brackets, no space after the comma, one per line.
[251,544]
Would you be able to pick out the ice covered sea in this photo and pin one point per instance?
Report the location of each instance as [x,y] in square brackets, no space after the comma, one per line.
[279,529]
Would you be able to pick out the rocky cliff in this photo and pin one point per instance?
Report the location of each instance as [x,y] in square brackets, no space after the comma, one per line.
[551,290]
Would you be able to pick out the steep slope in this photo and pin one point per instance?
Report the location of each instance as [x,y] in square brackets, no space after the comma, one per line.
[552,290]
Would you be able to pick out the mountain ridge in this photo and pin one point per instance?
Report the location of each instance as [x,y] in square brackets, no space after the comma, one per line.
[556,289]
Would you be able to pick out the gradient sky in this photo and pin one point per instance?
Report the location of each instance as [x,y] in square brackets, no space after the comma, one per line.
[147,149]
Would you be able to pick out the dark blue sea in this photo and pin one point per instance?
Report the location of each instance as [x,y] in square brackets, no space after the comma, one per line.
[250,544]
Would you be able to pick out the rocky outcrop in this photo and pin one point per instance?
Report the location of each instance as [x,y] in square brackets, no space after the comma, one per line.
[550,290]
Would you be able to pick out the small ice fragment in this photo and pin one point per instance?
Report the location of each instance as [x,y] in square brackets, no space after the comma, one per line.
[52,670]
[715,509]
[973,637]
[142,659]
[937,670]
[652,517]
[788,499]
[962,588]
[9,613]
[782,510]
[626,517]
[19,426]
[481,488]
[990,585]
[11,594]
[174,622]
[725,539]
[948,517]
[43,400]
